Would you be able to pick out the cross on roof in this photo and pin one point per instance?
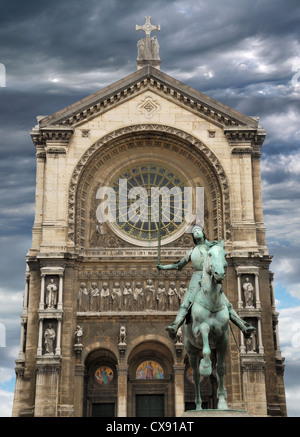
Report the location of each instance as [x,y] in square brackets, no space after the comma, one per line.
[147,27]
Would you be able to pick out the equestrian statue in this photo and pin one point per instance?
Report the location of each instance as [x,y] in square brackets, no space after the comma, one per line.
[208,311]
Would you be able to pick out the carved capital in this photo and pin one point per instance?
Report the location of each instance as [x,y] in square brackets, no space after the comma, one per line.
[51,140]
[245,137]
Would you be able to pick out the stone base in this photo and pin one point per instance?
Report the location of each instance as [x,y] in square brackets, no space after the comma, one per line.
[216,413]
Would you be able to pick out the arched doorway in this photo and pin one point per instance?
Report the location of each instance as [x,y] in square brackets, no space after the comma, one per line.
[101,389]
[150,381]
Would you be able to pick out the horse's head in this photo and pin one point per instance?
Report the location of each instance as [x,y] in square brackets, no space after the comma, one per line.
[216,264]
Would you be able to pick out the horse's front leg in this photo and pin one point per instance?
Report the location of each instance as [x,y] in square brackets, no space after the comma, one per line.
[220,367]
[205,363]
[194,362]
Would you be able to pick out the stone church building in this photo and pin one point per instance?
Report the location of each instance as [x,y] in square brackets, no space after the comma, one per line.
[95,311]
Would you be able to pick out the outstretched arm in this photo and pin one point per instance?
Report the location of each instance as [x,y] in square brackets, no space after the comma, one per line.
[178,265]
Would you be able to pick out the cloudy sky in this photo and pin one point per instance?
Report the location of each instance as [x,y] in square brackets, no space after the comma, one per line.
[244,53]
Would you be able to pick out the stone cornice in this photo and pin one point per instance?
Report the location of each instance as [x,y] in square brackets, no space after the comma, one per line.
[148,78]
[244,138]
[51,139]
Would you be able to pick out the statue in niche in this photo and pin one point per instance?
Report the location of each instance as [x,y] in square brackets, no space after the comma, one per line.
[248,293]
[127,297]
[78,334]
[116,296]
[105,297]
[94,297]
[251,343]
[138,297]
[161,297]
[83,298]
[173,297]
[182,290]
[122,335]
[49,337]
[51,297]
[149,294]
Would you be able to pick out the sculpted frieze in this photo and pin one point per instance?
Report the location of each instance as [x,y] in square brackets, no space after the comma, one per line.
[140,294]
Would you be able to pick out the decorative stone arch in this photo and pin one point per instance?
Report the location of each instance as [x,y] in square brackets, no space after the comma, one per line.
[101,381]
[111,146]
[158,353]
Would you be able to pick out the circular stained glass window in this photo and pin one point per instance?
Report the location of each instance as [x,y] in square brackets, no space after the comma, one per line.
[149,201]
[104,375]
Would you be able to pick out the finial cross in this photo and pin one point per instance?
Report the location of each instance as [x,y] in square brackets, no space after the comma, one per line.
[147,27]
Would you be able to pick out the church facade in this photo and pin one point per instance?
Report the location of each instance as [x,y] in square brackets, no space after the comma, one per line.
[96,308]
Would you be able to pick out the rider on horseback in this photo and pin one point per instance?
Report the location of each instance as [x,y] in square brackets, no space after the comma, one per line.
[197,257]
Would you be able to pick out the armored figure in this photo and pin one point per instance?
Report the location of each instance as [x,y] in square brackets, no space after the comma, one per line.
[197,256]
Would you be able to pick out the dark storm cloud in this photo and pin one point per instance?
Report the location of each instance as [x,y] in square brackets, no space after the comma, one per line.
[243,53]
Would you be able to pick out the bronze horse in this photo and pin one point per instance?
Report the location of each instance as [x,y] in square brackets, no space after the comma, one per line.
[208,325]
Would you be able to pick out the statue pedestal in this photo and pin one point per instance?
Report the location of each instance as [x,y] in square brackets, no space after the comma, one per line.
[216,413]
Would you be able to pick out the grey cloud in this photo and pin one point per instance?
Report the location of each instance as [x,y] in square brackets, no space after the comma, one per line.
[239,52]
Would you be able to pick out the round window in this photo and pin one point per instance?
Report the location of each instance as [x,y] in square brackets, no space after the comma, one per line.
[150,198]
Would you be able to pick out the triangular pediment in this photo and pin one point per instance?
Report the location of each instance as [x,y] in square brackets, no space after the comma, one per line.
[148,78]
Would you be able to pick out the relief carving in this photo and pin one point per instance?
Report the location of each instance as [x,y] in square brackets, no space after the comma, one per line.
[139,295]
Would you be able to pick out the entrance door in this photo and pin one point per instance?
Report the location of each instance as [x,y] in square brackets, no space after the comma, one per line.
[103,410]
[150,405]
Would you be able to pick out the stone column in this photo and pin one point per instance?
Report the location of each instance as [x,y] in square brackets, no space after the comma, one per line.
[257,293]
[58,338]
[39,194]
[26,294]
[247,188]
[47,383]
[79,389]
[21,356]
[240,300]
[179,389]
[261,349]
[42,298]
[254,385]
[122,370]
[60,292]
[40,338]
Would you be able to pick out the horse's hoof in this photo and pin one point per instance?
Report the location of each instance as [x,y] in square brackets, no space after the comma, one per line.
[222,405]
[205,367]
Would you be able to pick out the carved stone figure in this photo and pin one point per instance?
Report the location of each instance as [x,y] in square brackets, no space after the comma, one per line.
[49,337]
[182,290]
[116,296]
[127,297]
[105,297]
[162,298]
[83,298]
[78,334]
[51,297]
[94,297]
[138,297]
[149,295]
[148,48]
[248,293]
[122,335]
[179,336]
[173,297]
[251,343]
